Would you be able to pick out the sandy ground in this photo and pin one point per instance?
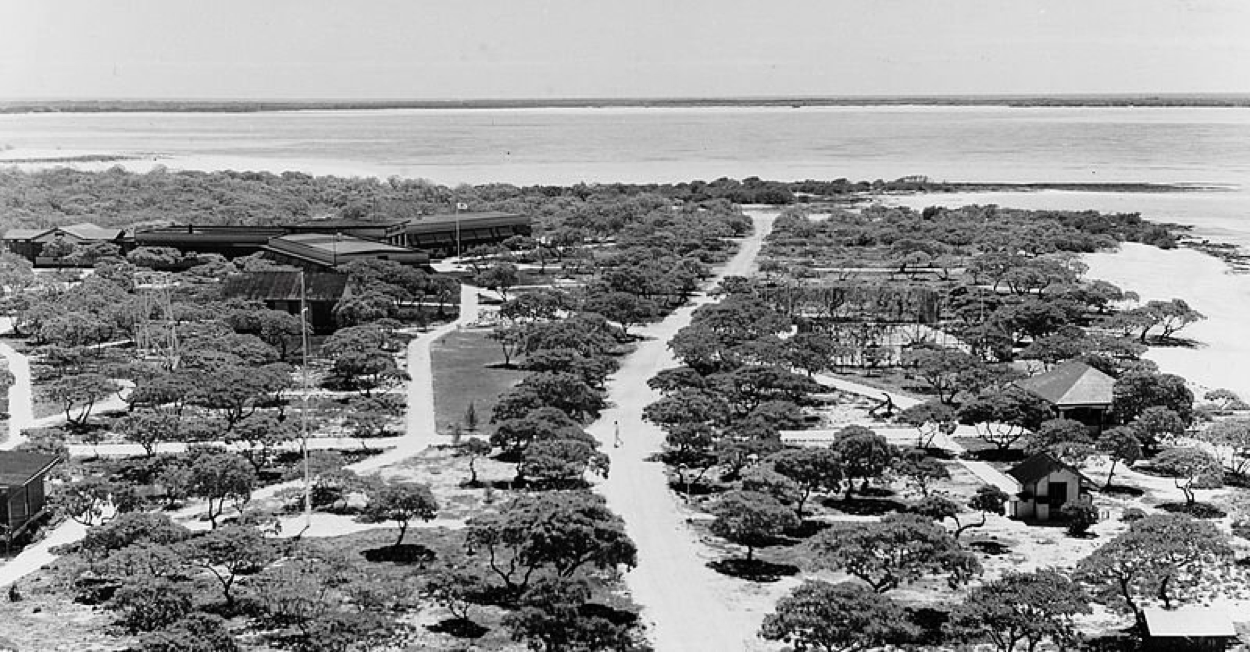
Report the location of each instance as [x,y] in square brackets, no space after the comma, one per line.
[688,606]
[1207,284]
[21,398]
[419,435]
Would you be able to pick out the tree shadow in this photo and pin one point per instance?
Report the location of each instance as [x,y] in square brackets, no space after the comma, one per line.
[1196,510]
[809,528]
[1122,490]
[991,548]
[619,617]
[459,628]
[864,506]
[753,570]
[996,455]
[404,553]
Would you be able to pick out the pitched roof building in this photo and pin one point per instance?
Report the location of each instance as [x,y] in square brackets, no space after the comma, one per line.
[1189,628]
[1046,485]
[326,251]
[280,290]
[1075,390]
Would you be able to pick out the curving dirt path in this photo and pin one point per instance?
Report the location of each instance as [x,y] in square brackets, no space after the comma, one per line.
[688,606]
[21,398]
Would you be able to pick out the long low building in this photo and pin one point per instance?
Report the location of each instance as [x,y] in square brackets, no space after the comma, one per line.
[229,241]
[322,251]
[444,234]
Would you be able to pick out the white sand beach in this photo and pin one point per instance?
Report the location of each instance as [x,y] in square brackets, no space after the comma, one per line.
[1222,356]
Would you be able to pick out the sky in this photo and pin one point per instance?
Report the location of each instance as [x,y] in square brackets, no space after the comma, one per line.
[476,49]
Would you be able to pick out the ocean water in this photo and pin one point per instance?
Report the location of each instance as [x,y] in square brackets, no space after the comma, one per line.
[561,146]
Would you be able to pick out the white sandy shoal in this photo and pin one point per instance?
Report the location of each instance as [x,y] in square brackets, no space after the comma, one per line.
[1222,356]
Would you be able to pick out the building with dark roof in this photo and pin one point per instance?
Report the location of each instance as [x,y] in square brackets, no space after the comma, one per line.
[1046,485]
[366,229]
[281,290]
[21,481]
[1075,391]
[228,241]
[29,243]
[443,234]
[326,251]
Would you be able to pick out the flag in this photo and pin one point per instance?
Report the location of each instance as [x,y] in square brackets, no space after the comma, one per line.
[461,206]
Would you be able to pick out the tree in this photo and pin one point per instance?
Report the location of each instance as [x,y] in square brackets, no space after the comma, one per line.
[865,455]
[898,550]
[1029,607]
[1170,316]
[148,428]
[1156,425]
[1167,558]
[474,447]
[624,308]
[1192,468]
[751,519]
[561,461]
[945,370]
[228,553]
[563,391]
[928,418]
[1226,400]
[988,499]
[499,277]
[560,531]
[513,435]
[1135,391]
[86,500]
[1003,418]
[920,470]
[811,352]
[1233,436]
[217,477]
[812,469]
[401,502]
[818,615]
[80,392]
[1120,444]
[1068,440]
[554,615]
[260,436]
[511,341]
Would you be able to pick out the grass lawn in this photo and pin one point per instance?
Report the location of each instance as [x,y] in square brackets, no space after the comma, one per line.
[466,370]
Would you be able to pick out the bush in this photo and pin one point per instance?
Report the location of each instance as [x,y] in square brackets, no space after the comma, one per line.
[1081,516]
[149,603]
[197,632]
[1132,514]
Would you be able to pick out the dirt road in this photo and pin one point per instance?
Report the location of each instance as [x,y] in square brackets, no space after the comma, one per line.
[689,607]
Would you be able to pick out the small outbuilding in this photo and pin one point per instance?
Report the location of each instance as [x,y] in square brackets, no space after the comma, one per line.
[280,290]
[1046,485]
[1075,391]
[21,482]
[1191,628]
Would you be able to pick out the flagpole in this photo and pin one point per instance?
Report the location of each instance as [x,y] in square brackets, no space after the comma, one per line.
[457,229]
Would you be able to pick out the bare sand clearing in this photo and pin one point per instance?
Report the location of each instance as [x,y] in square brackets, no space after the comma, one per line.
[1221,357]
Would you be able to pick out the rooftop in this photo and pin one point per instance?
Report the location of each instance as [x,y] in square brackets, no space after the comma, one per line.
[1072,383]
[1189,621]
[82,230]
[466,220]
[285,286]
[19,467]
[332,243]
[1039,466]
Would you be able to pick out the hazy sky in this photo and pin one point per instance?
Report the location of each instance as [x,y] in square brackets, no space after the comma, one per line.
[630,48]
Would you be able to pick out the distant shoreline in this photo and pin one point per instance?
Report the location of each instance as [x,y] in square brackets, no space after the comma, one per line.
[250,106]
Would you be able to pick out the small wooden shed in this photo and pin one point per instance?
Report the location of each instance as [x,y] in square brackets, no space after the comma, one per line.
[21,481]
[1046,485]
[1191,628]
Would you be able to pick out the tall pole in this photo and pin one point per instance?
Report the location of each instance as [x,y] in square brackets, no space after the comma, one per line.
[457,229]
[303,413]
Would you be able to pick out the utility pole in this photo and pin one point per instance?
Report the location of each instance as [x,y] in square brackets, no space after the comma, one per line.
[303,412]
[458,205]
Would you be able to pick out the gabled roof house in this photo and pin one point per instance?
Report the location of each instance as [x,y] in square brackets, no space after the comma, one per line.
[1075,391]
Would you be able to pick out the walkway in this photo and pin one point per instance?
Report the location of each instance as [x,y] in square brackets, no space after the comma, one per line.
[419,435]
[688,606]
[21,398]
